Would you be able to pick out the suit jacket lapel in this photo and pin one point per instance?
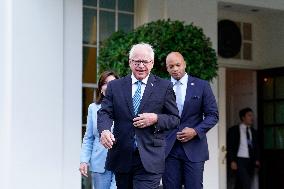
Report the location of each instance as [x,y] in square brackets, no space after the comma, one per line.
[127,91]
[147,92]
[189,91]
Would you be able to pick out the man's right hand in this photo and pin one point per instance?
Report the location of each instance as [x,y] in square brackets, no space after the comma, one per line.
[107,139]
[234,166]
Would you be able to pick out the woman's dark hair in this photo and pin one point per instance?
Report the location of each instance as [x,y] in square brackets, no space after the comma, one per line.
[243,112]
[104,75]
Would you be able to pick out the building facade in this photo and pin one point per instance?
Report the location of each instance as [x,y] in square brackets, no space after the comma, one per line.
[42,76]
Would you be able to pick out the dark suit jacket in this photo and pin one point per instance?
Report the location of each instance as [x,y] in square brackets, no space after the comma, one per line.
[199,102]
[233,143]
[117,106]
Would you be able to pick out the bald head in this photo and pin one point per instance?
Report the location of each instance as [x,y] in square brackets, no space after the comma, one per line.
[174,55]
[175,65]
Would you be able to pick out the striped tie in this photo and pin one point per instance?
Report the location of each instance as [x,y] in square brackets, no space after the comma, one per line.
[136,103]
[137,97]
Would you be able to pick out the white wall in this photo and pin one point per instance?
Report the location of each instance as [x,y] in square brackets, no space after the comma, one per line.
[41,76]
[273,26]
[258,56]
[5,92]
[267,42]
[271,4]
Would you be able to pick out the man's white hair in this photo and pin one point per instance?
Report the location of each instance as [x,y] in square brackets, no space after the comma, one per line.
[145,46]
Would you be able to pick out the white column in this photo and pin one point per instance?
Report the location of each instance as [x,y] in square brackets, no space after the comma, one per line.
[72,97]
[37,129]
[40,79]
[5,92]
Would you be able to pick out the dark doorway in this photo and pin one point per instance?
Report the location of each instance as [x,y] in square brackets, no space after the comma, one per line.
[271,127]
[241,92]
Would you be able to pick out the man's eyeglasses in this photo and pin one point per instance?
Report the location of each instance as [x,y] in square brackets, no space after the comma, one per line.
[138,62]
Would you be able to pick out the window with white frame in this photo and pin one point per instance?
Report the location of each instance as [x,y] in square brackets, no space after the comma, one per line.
[100,19]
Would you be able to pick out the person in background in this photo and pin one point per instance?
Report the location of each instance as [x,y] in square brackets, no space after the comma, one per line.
[93,154]
[243,150]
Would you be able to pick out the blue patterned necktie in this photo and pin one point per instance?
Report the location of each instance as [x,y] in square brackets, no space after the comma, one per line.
[136,103]
[137,97]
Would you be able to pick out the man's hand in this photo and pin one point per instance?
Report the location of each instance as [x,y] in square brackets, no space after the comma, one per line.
[145,120]
[84,169]
[107,139]
[234,166]
[186,134]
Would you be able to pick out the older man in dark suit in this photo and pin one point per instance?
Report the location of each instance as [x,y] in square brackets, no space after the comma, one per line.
[187,148]
[141,106]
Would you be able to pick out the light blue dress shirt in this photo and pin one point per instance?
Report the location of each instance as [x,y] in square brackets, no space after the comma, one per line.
[183,82]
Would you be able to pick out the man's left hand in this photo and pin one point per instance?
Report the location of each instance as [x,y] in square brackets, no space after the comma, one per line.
[186,134]
[145,120]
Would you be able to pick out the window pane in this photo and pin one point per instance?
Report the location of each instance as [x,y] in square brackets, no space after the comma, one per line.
[109,4]
[89,26]
[279,87]
[88,96]
[89,65]
[268,113]
[279,112]
[125,22]
[267,88]
[268,138]
[279,137]
[107,24]
[126,5]
[90,2]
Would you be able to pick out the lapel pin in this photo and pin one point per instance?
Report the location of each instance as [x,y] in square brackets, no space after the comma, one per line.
[152,84]
[192,84]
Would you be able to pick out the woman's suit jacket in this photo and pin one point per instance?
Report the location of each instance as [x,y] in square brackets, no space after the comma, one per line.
[92,151]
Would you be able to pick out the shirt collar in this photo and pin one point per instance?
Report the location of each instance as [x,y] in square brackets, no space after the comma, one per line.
[144,81]
[244,126]
[182,80]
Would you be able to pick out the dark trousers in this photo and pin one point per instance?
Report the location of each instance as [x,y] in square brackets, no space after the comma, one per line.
[138,177]
[244,173]
[179,170]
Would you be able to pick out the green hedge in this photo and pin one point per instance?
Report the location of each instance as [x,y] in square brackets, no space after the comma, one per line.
[165,36]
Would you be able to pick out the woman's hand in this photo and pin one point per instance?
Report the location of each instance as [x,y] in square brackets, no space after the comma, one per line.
[84,169]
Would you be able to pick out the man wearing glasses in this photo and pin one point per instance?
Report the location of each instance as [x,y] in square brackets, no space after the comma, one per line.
[142,107]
